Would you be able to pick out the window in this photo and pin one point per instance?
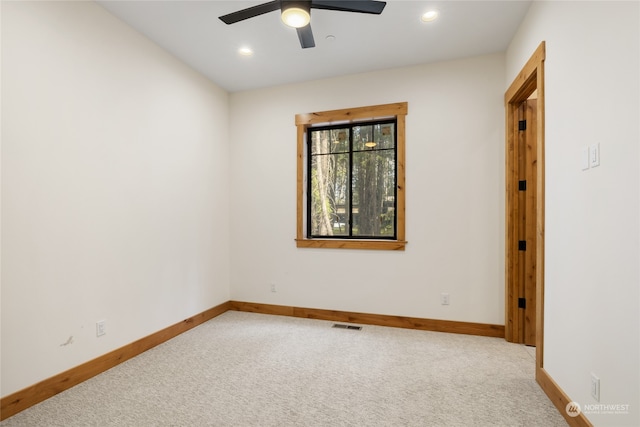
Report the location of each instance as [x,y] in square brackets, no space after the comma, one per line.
[351,178]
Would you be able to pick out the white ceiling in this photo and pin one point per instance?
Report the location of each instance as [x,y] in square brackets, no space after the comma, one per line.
[191,31]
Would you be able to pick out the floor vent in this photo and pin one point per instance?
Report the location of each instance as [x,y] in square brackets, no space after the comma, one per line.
[340,326]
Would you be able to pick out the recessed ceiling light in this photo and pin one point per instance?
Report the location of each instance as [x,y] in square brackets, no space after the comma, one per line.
[245,51]
[330,37]
[429,16]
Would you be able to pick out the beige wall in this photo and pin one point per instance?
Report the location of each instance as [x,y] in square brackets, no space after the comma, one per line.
[114,188]
[454,210]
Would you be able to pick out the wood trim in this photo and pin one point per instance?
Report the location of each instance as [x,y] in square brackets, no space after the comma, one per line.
[523,85]
[300,182]
[349,114]
[559,399]
[530,79]
[467,328]
[400,164]
[530,280]
[540,208]
[398,110]
[25,398]
[387,245]
[511,223]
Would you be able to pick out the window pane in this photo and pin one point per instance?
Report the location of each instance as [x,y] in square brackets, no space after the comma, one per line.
[362,138]
[373,185]
[329,195]
[330,141]
[384,136]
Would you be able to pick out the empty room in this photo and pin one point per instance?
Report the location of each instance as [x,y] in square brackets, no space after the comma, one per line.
[320,213]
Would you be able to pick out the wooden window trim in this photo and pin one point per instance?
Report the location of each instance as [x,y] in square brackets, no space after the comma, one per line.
[303,121]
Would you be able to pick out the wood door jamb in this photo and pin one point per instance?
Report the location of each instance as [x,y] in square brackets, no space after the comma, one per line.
[530,79]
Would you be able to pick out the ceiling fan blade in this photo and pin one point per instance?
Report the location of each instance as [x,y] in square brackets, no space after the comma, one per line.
[306,37]
[250,12]
[361,6]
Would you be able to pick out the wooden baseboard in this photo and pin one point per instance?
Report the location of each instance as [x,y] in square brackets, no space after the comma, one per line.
[23,399]
[450,326]
[559,398]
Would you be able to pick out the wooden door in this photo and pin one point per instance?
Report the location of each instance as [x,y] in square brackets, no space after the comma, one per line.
[526,222]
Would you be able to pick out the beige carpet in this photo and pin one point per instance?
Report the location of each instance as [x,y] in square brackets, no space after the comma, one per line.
[245,369]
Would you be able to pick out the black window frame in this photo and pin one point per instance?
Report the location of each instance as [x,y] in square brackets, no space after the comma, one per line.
[309,159]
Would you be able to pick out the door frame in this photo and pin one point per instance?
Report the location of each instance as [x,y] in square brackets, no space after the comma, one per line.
[529,80]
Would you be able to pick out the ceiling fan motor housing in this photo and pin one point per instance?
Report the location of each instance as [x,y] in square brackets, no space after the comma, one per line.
[301,4]
[295,13]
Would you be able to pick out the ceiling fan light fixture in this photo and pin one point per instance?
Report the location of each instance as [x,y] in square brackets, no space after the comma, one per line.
[295,17]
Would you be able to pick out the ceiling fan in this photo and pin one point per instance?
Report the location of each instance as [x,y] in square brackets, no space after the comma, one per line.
[296,14]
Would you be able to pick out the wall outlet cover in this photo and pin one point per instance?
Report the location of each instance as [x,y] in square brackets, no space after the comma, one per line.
[444,298]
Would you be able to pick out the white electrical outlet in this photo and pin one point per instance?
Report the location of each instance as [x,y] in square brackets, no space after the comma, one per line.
[595,387]
[273,287]
[444,298]
[101,328]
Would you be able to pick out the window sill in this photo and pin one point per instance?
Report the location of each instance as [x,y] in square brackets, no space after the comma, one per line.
[387,245]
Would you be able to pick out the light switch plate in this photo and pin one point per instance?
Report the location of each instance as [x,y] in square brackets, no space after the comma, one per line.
[101,328]
[584,158]
[595,387]
[594,155]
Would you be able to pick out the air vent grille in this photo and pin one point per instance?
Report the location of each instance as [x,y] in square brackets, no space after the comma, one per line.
[341,326]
